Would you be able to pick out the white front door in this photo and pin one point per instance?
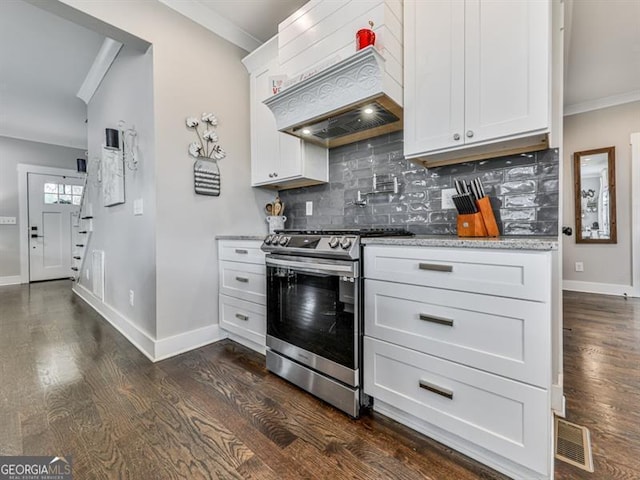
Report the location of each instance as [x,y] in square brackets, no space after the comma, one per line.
[52,201]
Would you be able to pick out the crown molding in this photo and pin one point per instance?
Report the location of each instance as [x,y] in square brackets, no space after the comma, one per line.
[105,57]
[604,102]
[213,21]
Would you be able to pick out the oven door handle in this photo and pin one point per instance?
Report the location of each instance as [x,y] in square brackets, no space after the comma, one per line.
[316,267]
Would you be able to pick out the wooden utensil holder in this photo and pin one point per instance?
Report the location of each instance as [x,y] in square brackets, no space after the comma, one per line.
[481,224]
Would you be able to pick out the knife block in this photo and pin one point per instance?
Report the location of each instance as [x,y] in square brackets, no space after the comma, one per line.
[481,224]
[471,225]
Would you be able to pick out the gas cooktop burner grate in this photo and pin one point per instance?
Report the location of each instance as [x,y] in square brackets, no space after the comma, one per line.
[362,232]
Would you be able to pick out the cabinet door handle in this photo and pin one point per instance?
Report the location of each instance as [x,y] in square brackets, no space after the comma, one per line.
[469,133]
[436,389]
[241,251]
[435,267]
[456,136]
[275,174]
[242,279]
[239,316]
[271,175]
[433,319]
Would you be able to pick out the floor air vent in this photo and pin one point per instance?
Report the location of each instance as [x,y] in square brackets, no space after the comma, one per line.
[573,445]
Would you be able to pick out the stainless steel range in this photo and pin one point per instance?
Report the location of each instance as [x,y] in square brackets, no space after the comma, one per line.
[314,321]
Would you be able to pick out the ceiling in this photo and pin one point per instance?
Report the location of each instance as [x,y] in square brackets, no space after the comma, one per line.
[603,53]
[259,18]
[44,59]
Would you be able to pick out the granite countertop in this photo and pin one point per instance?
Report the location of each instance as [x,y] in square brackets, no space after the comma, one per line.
[508,243]
[240,237]
[504,243]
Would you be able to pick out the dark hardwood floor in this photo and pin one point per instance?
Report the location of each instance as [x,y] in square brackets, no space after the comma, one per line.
[602,382]
[71,384]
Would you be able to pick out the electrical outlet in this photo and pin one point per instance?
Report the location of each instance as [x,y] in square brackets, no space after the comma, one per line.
[309,206]
[7,220]
[131,297]
[579,267]
[447,201]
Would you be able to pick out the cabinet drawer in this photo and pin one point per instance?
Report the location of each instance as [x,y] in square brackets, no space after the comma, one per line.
[499,335]
[500,415]
[514,274]
[243,318]
[243,280]
[242,251]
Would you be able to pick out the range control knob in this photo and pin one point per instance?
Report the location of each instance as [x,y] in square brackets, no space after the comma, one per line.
[268,239]
[333,242]
[275,239]
[345,243]
[284,240]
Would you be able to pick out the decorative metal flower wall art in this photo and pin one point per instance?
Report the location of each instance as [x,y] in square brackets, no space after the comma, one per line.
[207,152]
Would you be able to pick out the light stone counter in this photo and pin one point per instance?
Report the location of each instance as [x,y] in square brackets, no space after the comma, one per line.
[240,237]
[503,243]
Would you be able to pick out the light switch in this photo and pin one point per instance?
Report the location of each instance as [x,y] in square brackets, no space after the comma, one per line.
[137,207]
[7,220]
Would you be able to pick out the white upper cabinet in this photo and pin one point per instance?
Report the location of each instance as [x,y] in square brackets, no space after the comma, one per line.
[476,76]
[277,160]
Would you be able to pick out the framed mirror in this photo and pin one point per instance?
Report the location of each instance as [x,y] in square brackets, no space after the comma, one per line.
[595,195]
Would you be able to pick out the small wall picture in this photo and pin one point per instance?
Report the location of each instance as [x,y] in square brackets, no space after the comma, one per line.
[112,170]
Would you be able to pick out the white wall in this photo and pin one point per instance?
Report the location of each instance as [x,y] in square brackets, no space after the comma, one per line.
[126,93]
[194,71]
[13,152]
[608,264]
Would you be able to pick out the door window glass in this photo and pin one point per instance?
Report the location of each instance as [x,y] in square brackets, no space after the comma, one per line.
[62,194]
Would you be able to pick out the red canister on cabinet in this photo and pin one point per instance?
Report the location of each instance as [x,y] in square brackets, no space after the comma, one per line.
[365,37]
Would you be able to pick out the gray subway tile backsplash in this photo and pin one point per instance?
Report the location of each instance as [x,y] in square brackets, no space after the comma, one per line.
[524,191]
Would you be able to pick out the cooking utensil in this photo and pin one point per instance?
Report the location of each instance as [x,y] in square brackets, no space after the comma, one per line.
[277,207]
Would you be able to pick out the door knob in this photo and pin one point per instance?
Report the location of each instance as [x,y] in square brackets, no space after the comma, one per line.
[567,231]
[469,133]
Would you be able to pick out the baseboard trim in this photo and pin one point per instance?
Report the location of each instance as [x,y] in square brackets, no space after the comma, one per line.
[154,350]
[10,280]
[600,288]
[476,452]
[183,342]
[138,338]
[247,343]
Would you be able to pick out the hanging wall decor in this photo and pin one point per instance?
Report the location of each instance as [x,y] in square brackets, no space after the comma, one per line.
[207,152]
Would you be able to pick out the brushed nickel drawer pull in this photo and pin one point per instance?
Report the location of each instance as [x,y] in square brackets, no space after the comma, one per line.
[435,267]
[433,319]
[239,316]
[242,279]
[242,251]
[435,389]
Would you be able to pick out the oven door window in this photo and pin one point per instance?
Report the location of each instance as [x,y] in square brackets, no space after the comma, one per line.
[313,312]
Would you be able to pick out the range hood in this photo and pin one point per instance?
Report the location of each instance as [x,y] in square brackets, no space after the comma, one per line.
[342,104]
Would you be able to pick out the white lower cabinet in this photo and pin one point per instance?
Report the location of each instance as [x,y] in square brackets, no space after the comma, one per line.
[243,318]
[470,367]
[242,292]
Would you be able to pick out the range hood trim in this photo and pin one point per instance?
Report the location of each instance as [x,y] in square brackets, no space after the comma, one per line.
[348,84]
